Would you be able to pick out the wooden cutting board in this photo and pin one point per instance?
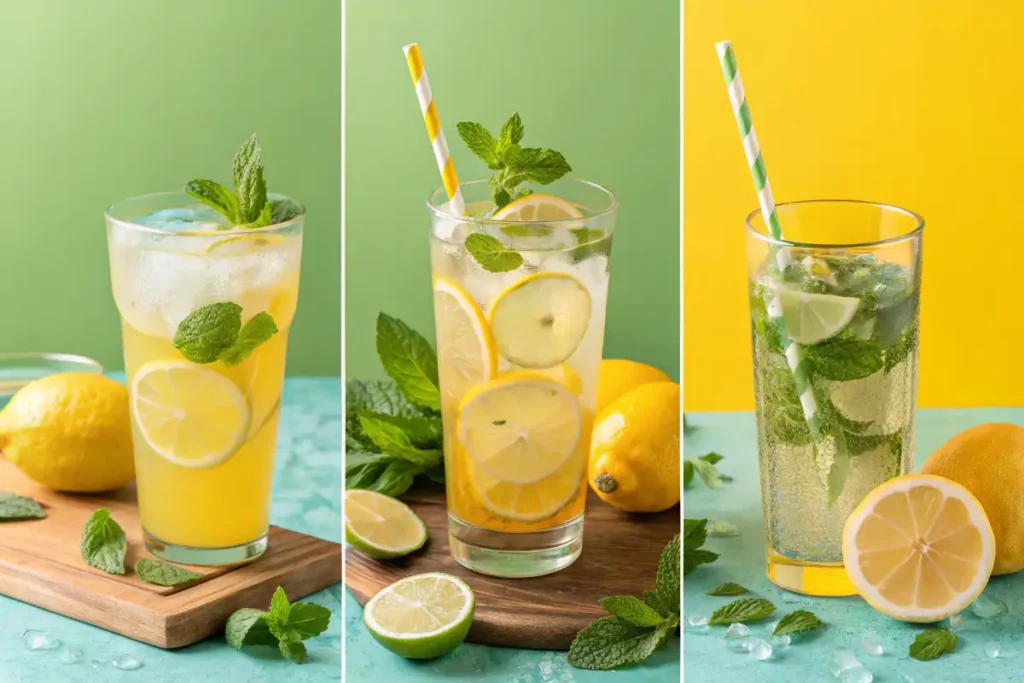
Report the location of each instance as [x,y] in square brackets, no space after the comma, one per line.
[620,557]
[41,563]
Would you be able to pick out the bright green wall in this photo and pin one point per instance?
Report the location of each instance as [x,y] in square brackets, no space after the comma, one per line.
[597,80]
[105,99]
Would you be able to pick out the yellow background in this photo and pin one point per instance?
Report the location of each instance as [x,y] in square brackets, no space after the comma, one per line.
[916,103]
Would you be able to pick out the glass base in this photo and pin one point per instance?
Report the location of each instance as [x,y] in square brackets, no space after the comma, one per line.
[515,554]
[206,557]
[821,579]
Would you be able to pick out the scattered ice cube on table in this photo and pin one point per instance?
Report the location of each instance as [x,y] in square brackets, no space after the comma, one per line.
[697,623]
[993,649]
[126,662]
[843,661]
[720,528]
[872,646]
[781,642]
[857,674]
[740,644]
[907,678]
[957,620]
[759,649]
[96,663]
[39,640]
[988,607]
[737,630]
[70,655]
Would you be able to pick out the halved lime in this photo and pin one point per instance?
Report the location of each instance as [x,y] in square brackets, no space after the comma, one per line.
[380,526]
[811,318]
[422,616]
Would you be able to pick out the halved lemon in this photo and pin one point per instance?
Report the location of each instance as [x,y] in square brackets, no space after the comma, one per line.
[530,502]
[919,548]
[521,427]
[466,351]
[539,321]
[381,526]
[538,207]
[811,318]
[189,415]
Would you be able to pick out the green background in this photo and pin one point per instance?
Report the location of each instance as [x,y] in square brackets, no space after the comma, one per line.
[107,99]
[598,81]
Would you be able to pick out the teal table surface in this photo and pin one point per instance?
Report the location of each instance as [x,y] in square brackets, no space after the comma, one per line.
[306,498]
[706,657]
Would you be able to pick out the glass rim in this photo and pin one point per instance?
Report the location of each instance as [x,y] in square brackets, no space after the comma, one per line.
[436,210]
[44,356]
[916,232]
[127,223]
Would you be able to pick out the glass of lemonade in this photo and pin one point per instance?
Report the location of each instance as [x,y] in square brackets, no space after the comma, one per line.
[845,287]
[204,432]
[519,306]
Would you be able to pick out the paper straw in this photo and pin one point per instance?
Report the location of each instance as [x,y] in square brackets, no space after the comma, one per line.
[444,160]
[794,356]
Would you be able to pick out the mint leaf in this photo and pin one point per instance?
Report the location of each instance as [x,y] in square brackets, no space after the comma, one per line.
[280,609]
[687,473]
[652,600]
[377,396]
[392,440]
[708,473]
[932,643]
[284,625]
[542,166]
[208,331]
[695,533]
[248,627]
[309,619]
[379,472]
[632,610]
[667,581]
[15,507]
[480,142]
[899,351]
[284,209]
[611,642]
[712,458]
[294,652]
[511,132]
[843,359]
[163,573]
[103,543]
[260,328]
[422,432]
[490,253]
[247,172]
[409,360]
[215,196]
[742,610]
[728,588]
[797,622]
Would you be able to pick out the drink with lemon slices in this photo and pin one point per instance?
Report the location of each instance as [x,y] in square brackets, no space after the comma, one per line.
[519,305]
[841,300]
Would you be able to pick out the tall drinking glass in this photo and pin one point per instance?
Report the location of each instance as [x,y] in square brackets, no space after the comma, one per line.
[203,429]
[840,296]
[519,307]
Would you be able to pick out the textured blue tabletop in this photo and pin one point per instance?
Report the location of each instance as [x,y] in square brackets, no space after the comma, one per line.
[706,657]
[306,498]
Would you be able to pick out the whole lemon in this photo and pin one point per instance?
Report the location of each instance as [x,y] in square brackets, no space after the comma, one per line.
[988,460]
[617,377]
[70,432]
[634,451]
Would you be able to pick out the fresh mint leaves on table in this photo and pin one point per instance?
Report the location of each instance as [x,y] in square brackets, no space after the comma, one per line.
[932,643]
[163,573]
[103,543]
[636,627]
[742,610]
[728,588]
[393,429]
[14,508]
[284,626]
[704,466]
[797,622]
[247,206]
[215,333]
[695,533]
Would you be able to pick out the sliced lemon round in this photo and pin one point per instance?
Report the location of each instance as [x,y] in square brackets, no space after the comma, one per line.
[919,548]
[381,526]
[422,616]
[521,427]
[238,245]
[189,415]
[530,502]
[811,318]
[466,352]
[539,321]
[537,207]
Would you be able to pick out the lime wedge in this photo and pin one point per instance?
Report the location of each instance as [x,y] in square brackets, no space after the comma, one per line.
[811,318]
[422,616]
[380,526]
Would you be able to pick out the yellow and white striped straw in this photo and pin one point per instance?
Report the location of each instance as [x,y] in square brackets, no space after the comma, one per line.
[444,160]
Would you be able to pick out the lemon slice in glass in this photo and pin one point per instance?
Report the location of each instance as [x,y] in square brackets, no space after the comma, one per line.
[191,416]
[466,352]
[537,207]
[919,548]
[521,427]
[539,321]
[811,318]
[380,526]
[422,616]
[531,502]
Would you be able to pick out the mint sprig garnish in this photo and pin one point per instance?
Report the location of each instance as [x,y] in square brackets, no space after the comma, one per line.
[246,206]
[932,643]
[214,333]
[636,627]
[164,573]
[742,610]
[284,626]
[104,544]
[14,507]
[695,533]
[799,621]
[490,253]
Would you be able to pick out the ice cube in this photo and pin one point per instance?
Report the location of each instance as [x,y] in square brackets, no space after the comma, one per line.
[843,661]
[126,662]
[781,642]
[993,649]
[39,640]
[857,674]
[957,620]
[737,630]
[872,646]
[759,649]
[721,528]
[988,607]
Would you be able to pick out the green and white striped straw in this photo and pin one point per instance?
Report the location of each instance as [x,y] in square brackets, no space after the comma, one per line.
[783,258]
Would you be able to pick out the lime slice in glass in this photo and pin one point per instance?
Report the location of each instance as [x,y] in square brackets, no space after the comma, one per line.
[811,318]
[380,526]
